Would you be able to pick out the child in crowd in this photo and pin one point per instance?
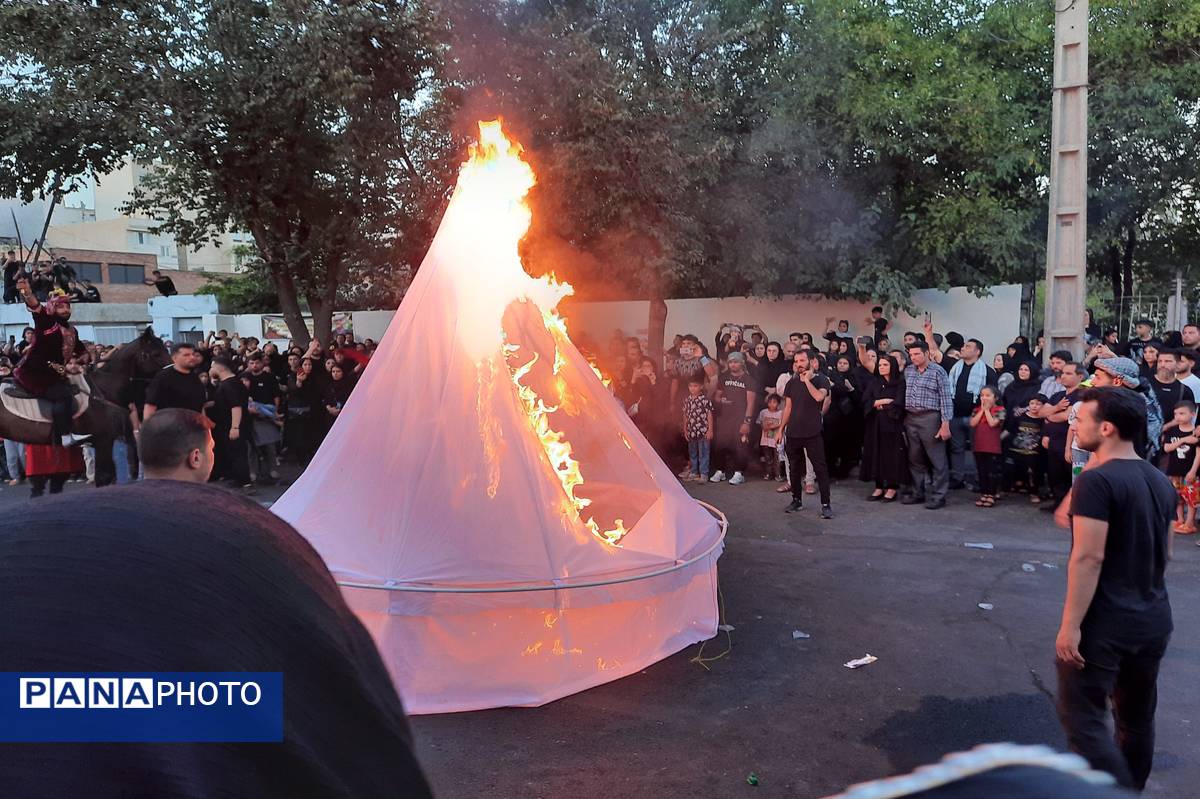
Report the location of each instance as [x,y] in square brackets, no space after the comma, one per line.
[1026,450]
[1179,444]
[770,419]
[987,421]
[697,429]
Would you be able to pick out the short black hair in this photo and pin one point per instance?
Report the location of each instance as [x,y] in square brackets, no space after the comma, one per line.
[1187,404]
[223,362]
[1145,322]
[1190,354]
[183,345]
[691,338]
[1122,408]
[155,272]
[1191,324]
[169,435]
[918,344]
[797,335]
[1174,353]
[877,309]
[1062,355]
[977,343]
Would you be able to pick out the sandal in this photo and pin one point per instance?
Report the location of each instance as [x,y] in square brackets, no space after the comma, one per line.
[988,501]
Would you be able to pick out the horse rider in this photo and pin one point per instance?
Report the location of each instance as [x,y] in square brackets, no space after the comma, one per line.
[47,363]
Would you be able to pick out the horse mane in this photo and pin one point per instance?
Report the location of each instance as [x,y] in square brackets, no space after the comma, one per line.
[146,341]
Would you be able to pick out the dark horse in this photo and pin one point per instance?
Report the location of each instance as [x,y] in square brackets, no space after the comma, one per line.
[107,417]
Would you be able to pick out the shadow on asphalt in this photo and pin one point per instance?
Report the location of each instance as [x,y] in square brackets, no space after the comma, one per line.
[941,724]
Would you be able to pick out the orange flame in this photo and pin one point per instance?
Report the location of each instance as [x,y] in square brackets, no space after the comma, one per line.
[490,196]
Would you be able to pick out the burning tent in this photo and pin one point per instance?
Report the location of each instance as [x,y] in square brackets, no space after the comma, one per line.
[493,516]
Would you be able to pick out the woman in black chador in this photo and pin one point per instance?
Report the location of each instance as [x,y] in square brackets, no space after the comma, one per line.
[884,458]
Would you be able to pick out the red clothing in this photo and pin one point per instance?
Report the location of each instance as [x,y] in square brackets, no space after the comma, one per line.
[987,438]
[47,459]
[54,341]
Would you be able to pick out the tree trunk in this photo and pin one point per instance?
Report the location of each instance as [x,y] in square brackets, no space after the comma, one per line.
[289,302]
[322,316]
[1127,261]
[657,327]
[1112,256]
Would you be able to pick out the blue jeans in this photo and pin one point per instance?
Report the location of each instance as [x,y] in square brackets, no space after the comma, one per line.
[120,451]
[962,459]
[14,454]
[698,451]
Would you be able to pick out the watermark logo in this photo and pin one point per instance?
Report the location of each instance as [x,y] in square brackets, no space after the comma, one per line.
[142,707]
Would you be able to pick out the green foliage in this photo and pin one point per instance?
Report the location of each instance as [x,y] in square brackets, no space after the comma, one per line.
[294,120]
[247,291]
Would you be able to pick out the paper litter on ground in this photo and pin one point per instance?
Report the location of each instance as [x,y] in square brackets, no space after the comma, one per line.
[986,605]
[979,546]
[1028,567]
[799,636]
[728,628]
[865,660]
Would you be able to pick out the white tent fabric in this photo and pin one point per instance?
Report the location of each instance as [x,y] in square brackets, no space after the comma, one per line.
[434,483]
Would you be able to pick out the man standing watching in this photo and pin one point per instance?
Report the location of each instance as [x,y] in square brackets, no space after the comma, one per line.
[1191,336]
[738,396]
[1116,620]
[177,445]
[928,409]
[1052,385]
[1057,414]
[1165,383]
[229,416]
[803,398]
[967,377]
[1135,345]
[177,386]
[1185,370]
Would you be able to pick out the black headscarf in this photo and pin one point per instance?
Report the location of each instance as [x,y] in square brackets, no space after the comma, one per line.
[767,372]
[168,576]
[1020,392]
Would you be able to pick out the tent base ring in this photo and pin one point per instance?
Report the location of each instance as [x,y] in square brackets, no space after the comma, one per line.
[430,588]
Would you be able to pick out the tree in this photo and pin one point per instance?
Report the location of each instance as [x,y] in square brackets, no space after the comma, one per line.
[296,120]
[1144,142]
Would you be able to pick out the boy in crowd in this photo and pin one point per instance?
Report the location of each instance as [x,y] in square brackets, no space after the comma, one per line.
[697,429]
[1179,445]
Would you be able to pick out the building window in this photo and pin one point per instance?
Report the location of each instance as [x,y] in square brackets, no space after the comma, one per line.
[126,273]
[141,237]
[87,271]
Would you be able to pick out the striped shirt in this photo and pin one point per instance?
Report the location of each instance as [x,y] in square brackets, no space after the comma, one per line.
[928,390]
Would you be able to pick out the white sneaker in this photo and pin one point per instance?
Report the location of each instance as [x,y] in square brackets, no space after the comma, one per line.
[737,479]
[717,477]
[683,475]
[72,438]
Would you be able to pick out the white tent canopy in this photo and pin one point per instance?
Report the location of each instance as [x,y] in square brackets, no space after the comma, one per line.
[497,521]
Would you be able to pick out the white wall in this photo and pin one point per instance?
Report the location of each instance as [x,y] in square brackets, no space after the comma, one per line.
[995,320]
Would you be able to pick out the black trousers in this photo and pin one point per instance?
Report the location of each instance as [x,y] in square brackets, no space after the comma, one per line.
[814,448]
[62,407]
[1058,473]
[232,458]
[730,454]
[1127,673]
[986,465]
[37,484]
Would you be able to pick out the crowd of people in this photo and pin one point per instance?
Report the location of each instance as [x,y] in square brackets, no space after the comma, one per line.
[930,414]
[266,404]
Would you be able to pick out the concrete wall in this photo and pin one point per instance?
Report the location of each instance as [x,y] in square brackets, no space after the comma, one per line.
[87,317]
[995,320]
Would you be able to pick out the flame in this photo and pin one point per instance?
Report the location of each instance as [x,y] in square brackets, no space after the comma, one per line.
[489,212]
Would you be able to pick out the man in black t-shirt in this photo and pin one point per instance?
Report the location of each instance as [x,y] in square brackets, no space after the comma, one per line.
[178,385]
[1116,620]
[229,415]
[164,284]
[1056,414]
[13,269]
[737,394]
[1165,383]
[803,399]
[264,410]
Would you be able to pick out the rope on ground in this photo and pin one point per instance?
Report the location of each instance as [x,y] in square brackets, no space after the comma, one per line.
[699,656]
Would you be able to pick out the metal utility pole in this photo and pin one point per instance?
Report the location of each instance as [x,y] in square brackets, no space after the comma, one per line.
[1066,241]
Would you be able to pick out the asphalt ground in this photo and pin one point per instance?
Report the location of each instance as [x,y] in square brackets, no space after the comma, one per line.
[890,580]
